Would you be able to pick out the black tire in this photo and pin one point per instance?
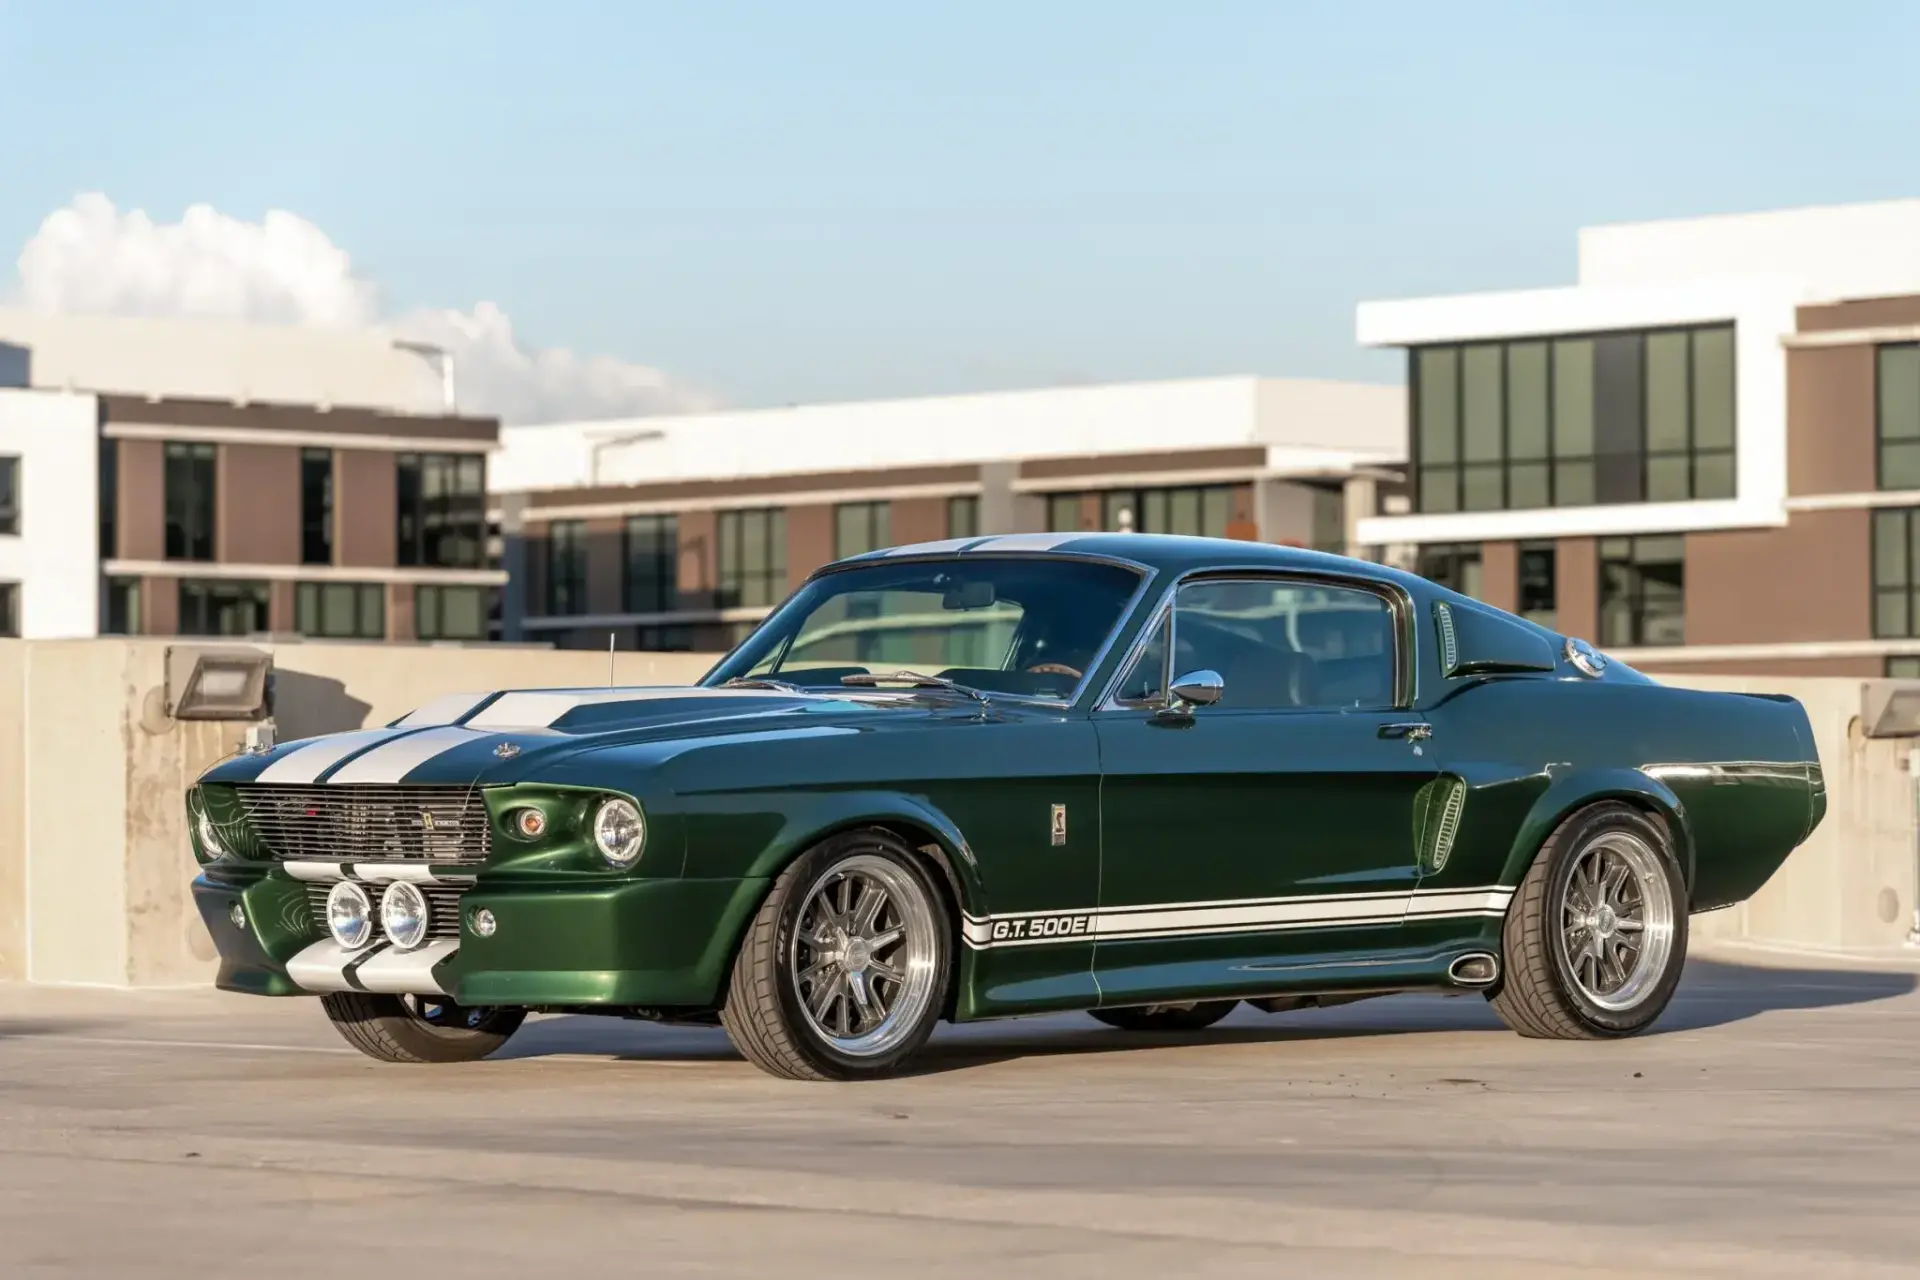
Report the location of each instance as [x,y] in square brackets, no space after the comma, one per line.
[1541,993]
[428,1030]
[1166,1017]
[764,1012]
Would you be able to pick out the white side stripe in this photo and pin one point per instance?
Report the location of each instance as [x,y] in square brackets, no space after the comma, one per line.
[305,764]
[1254,915]
[395,760]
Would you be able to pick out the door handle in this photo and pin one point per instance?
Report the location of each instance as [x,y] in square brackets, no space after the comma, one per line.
[1410,730]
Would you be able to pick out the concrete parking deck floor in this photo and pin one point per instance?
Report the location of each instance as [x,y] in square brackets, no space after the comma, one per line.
[1771,1127]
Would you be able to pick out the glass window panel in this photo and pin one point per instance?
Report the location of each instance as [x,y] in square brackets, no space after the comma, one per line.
[1616,624]
[1573,398]
[373,611]
[1183,511]
[1216,511]
[1153,511]
[1572,484]
[1481,401]
[306,608]
[777,545]
[1117,510]
[462,613]
[1713,475]
[1899,393]
[1527,485]
[1667,398]
[753,542]
[1667,479]
[1890,613]
[1890,549]
[1439,489]
[1618,413]
[337,601]
[1287,645]
[1538,582]
[1481,487]
[963,517]
[1527,400]
[1900,465]
[1713,389]
[1663,626]
[1651,551]
[1063,512]
[1437,375]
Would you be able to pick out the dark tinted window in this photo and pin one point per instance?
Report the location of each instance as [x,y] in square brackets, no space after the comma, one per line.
[340,610]
[189,483]
[10,496]
[213,607]
[753,557]
[1287,645]
[1023,626]
[1539,583]
[450,613]
[316,506]
[566,568]
[441,515]
[1643,591]
[652,552]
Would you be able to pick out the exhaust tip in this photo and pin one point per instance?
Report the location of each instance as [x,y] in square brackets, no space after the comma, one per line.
[1475,969]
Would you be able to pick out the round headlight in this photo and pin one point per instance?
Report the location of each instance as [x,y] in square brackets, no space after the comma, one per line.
[529,824]
[618,831]
[403,915]
[208,832]
[349,915]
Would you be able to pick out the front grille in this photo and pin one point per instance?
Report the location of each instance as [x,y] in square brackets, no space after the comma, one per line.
[443,905]
[369,823]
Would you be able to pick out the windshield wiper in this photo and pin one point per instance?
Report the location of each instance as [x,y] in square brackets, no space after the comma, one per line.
[761,682]
[919,681]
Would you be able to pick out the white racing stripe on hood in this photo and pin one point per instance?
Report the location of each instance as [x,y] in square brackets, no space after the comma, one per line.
[395,760]
[306,764]
[446,709]
[540,708]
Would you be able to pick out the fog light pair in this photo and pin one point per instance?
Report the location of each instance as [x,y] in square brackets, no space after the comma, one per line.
[403,915]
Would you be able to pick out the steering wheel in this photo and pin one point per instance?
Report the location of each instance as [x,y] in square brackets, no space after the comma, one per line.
[1052,669]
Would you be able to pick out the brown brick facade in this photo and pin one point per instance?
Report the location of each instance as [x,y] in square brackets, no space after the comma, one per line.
[1735,581]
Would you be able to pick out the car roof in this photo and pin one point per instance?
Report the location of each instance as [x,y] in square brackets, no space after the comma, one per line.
[1173,553]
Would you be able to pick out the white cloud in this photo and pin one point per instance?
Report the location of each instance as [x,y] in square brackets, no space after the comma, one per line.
[92,257]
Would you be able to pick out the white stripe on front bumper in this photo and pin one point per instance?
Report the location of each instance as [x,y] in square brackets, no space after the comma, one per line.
[322,968]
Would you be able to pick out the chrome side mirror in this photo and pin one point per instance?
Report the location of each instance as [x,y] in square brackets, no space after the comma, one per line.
[1199,689]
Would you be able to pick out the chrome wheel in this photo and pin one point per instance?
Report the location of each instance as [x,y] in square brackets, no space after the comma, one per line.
[864,955]
[1616,920]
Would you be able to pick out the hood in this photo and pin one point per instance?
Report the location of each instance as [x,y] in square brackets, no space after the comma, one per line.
[501,737]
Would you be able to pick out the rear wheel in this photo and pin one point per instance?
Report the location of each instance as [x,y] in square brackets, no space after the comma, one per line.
[843,972]
[1596,937]
[1197,1016]
[419,1028]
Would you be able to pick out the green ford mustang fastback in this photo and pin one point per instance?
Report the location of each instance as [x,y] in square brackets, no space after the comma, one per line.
[1145,777]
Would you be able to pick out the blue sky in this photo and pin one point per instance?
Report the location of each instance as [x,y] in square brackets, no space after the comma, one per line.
[801,202]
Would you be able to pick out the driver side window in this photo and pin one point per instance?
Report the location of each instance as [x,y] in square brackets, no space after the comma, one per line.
[1277,645]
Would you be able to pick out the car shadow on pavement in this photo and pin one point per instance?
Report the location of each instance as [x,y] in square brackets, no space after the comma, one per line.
[28,1028]
[1713,993]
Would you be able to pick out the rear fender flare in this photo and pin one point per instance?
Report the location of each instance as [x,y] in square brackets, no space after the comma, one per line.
[1570,792]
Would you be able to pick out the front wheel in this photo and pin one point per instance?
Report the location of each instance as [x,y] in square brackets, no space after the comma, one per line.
[843,972]
[1596,936]
[419,1028]
[1166,1017]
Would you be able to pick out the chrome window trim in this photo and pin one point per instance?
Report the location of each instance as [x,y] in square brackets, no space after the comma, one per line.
[1145,572]
[1399,602]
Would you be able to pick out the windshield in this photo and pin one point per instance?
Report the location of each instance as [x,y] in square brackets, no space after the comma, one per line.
[1027,627]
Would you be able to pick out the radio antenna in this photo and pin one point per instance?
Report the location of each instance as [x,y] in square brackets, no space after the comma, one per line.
[609,659]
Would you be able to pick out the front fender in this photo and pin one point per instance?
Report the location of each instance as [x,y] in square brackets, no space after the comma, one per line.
[1576,789]
[757,836]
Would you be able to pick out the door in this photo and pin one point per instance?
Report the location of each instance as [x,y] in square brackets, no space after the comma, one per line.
[1273,829]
